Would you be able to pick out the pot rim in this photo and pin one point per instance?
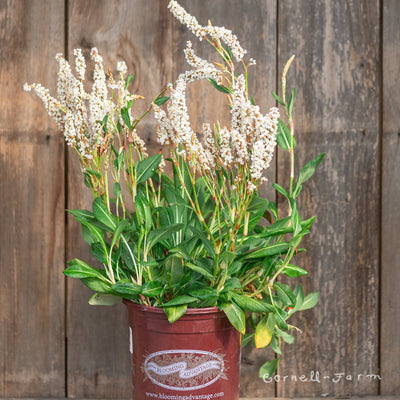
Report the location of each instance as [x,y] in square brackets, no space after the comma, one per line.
[160,310]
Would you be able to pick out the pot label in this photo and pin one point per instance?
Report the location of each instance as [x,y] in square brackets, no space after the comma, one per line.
[184,369]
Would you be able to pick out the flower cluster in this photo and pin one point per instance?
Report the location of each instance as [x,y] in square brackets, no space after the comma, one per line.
[89,120]
[215,32]
[249,143]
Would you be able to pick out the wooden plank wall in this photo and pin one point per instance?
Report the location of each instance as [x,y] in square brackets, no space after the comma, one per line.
[52,343]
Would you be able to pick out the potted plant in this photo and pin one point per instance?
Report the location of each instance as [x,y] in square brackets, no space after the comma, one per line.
[195,254]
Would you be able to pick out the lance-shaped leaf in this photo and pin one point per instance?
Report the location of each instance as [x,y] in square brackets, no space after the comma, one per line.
[126,288]
[283,136]
[143,212]
[173,313]
[267,369]
[235,315]
[200,270]
[252,305]
[159,101]
[268,251]
[159,234]
[146,168]
[307,172]
[220,88]
[310,301]
[179,300]
[102,214]
[83,216]
[247,338]
[287,337]
[122,225]
[292,271]
[285,295]
[206,242]
[151,289]
[79,269]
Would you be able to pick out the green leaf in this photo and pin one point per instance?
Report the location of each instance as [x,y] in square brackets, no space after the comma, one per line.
[200,270]
[299,293]
[264,331]
[228,50]
[310,301]
[156,235]
[117,189]
[92,172]
[126,288]
[119,160]
[129,79]
[204,293]
[83,216]
[159,101]
[276,97]
[88,236]
[270,250]
[175,312]
[206,242]
[267,369]
[179,300]
[274,344]
[103,124]
[101,299]
[151,289]
[220,88]
[126,117]
[291,101]
[102,214]
[247,338]
[285,295]
[232,283]
[288,338]
[99,252]
[283,137]
[79,269]
[281,316]
[143,212]
[305,225]
[174,266]
[97,285]
[295,218]
[235,315]
[122,225]
[274,209]
[281,190]
[128,253]
[292,271]
[307,172]
[252,305]
[146,168]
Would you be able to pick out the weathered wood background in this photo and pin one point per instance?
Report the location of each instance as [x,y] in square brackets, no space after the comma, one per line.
[347,69]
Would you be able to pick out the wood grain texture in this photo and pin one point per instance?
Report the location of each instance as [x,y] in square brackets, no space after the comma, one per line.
[32,202]
[254,24]
[336,73]
[390,294]
[137,32]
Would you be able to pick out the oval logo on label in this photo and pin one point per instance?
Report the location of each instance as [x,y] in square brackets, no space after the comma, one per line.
[184,369]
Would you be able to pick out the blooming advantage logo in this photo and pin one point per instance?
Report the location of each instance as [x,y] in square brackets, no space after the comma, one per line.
[184,369]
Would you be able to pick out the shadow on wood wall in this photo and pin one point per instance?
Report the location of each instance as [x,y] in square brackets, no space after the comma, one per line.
[52,343]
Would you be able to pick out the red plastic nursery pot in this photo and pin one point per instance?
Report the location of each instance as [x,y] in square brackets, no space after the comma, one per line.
[196,357]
